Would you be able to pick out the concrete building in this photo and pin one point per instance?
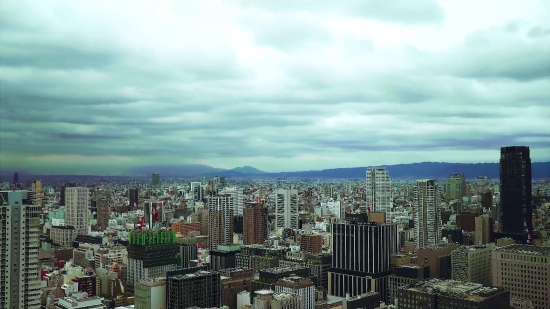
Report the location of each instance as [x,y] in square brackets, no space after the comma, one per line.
[455,187]
[286,209]
[267,299]
[446,294]
[76,209]
[404,275]
[238,199]
[466,221]
[299,286]
[525,271]
[103,212]
[254,224]
[220,216]
[427,214]
[431,256]
[63,235]
[311,243]
[19,245]
[378,192]
[80,301]
[155,180]
[233,282]
[473,264]
[484,229]
[199,289]
[150,294]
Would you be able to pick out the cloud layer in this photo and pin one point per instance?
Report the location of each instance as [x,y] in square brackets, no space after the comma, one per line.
[279,85]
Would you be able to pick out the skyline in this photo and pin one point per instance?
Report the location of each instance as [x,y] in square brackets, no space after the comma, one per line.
[278,86]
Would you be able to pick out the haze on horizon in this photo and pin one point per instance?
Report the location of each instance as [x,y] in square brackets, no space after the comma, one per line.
[105,86]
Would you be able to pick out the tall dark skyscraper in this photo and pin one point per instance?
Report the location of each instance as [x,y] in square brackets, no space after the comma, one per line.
[15,179]
[515,189]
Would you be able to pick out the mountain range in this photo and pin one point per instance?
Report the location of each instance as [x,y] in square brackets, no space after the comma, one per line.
[413,170]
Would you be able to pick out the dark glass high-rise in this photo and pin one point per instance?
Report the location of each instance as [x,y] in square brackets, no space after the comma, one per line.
[515,189]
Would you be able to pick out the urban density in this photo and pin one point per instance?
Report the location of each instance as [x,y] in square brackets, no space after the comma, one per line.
[228,242]
[275,154]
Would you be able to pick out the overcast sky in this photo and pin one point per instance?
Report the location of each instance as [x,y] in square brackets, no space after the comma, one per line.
[104,86]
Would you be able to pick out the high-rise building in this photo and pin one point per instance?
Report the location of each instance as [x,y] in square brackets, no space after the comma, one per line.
[151,254]
[378,192]
[254,224]
[19,244]
[484,229]
[473,264]
[155,180]
[404,275]
[150,294]
[201,289]
[103,211]
[76,209]
[427,213]
[299,286]
[455,187]
[15,179]
[133,197]
[515,189]
[220,216]
[234,281]
[311,243]
[524,271]
[238,199]
[62,193]
[361,255]
[35,194]
[286,209]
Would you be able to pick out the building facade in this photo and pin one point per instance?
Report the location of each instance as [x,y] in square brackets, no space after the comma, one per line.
[220,216]
[378,192]
[19,244]
[515,189]
[427,214]
[254,224]
[286,209]
[77,201]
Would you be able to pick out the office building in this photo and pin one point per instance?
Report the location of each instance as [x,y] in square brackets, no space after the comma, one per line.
[150,294]
[200,289]
[76,209]
[515,189]
[525,271]
[155,181]
[361,255]
[378,192]
[238,199]
[473,264]
[311,243]
[133,197]
[187,251]
[220,216]
[434,256]
[15,180]
[19,245]
[152,211]
[299,286]
[427,214]
[484,230]
[62,193]
[35,193]
[233,282]
[455,187]
[466,221]
[254,224]
[286,209]
[447,294]
[404,275]
[151,253]
[268,277]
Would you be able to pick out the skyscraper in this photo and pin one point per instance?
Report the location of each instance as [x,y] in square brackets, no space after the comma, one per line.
[378,191]
[361,255]
[220,216]
[515,189]
[15,179]
[155,180]
[286,208]
[455,187]
[19,244]
[254,224]
[427,213]
[238,198]
[76,207]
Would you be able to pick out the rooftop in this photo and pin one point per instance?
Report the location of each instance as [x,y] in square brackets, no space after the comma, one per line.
[525,249]
[458,289]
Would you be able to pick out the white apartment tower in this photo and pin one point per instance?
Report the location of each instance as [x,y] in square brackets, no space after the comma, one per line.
[427,213]
[19,243]
[286,208]
[378,192]
[238,199]
[220,216]
[77,209]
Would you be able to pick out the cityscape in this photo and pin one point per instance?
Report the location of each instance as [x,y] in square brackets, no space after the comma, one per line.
[274,154]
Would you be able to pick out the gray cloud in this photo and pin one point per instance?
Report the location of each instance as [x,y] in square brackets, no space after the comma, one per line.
[277,86]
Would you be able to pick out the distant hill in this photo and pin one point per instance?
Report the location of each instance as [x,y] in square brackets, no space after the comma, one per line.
[190,170]
[248,170]
[420,170]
